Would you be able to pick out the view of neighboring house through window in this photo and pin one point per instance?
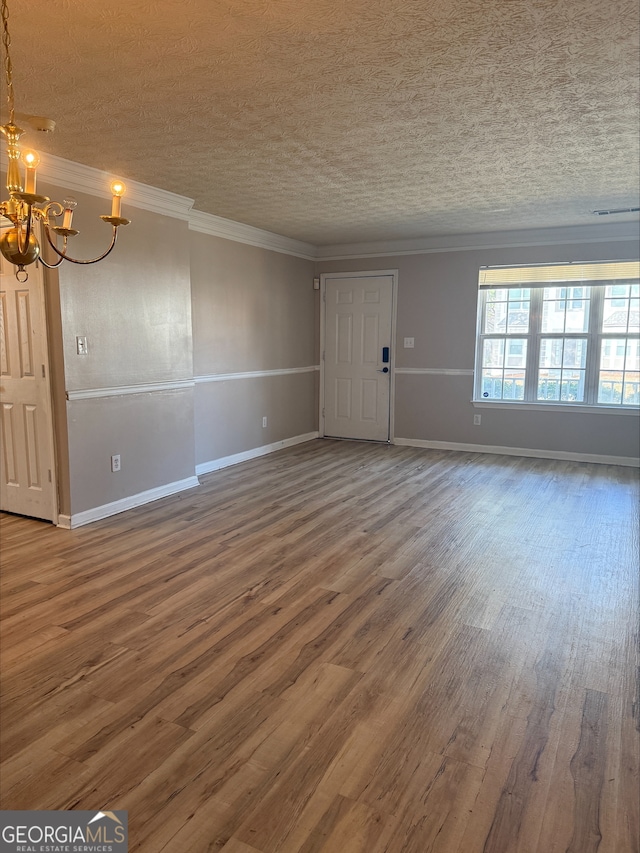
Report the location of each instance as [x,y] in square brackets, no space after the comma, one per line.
[565,334]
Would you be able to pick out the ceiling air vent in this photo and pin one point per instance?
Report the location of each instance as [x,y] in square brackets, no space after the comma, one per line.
[613,211]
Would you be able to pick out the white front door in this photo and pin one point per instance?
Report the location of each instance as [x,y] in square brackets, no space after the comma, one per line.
[26,431]
[357,356]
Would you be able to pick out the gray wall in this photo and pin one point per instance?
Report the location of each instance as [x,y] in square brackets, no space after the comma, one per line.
[173,306]
[437,305]
[135,310]
[254,311]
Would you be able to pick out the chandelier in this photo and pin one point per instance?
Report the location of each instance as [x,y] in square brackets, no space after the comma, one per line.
[25,208]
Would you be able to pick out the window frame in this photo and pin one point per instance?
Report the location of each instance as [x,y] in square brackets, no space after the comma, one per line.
[594,336]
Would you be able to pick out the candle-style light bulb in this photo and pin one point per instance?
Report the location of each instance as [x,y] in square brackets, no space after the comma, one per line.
[31,160]
[118,189]
[70,205]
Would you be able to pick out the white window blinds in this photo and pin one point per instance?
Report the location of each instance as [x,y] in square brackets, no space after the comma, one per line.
[540,276]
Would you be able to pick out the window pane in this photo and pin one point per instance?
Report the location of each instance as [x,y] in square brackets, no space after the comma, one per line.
[631,391]
[553,312]
[572,386]
[570,314]
[575,352]
[518,317]
[495,318]
[493,353]
[621,308]
[616,290]
[492,384]
[507,311]
[516,353]
[503,368]
[563,352]
[497,295]
[632,361]
[610,387]
[618,354]
[561,374]
[551,352]
[619,371]
[577,319]
[513,385]
[616,315]
[549,384]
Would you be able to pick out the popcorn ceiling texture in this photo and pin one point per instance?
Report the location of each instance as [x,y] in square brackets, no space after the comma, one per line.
[337,121]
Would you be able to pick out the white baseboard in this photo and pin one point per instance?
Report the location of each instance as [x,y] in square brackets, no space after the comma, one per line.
[626,461]
[80,518]
[64,521]
[226,461]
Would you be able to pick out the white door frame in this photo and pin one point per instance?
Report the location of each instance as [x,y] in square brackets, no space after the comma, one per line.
[323,310]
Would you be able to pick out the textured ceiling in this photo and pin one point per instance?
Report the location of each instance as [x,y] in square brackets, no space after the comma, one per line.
[336,121]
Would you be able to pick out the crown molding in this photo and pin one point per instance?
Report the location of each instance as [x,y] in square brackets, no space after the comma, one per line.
[561,235]
[217,226]
[86,179]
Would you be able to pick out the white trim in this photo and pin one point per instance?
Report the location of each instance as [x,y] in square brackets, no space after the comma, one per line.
[626,461]
[434,371]
[217,226]
[64,521]
[147,387]
[80,518]
[592,233]
[85,179]
[122,390]
[254,374]
[557,407]
[236,458]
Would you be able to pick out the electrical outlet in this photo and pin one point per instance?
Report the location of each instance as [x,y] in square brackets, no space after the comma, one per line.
[115,463]
[264,422]
[477,420]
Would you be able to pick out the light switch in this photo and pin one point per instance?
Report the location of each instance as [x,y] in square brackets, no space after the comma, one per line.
[409,343]
[81,345]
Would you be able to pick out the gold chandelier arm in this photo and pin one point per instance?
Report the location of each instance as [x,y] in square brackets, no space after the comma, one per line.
[54,208]
[66,257]
[23,244]
[51,266]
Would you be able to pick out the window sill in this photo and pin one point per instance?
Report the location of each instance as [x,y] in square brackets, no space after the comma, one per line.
[556,407]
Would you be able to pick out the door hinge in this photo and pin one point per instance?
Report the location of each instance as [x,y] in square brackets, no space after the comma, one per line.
[323,413]
[49,474]
[44,373]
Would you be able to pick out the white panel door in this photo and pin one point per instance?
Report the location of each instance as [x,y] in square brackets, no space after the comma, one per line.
[357,382]
[26,434]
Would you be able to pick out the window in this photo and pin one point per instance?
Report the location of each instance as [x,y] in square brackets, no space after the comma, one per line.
[565,334]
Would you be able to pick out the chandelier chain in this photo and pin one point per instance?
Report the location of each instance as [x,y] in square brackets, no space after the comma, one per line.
[8,67]
[19,244]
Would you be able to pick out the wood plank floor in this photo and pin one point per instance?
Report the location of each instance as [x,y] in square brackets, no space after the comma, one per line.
[338,648]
